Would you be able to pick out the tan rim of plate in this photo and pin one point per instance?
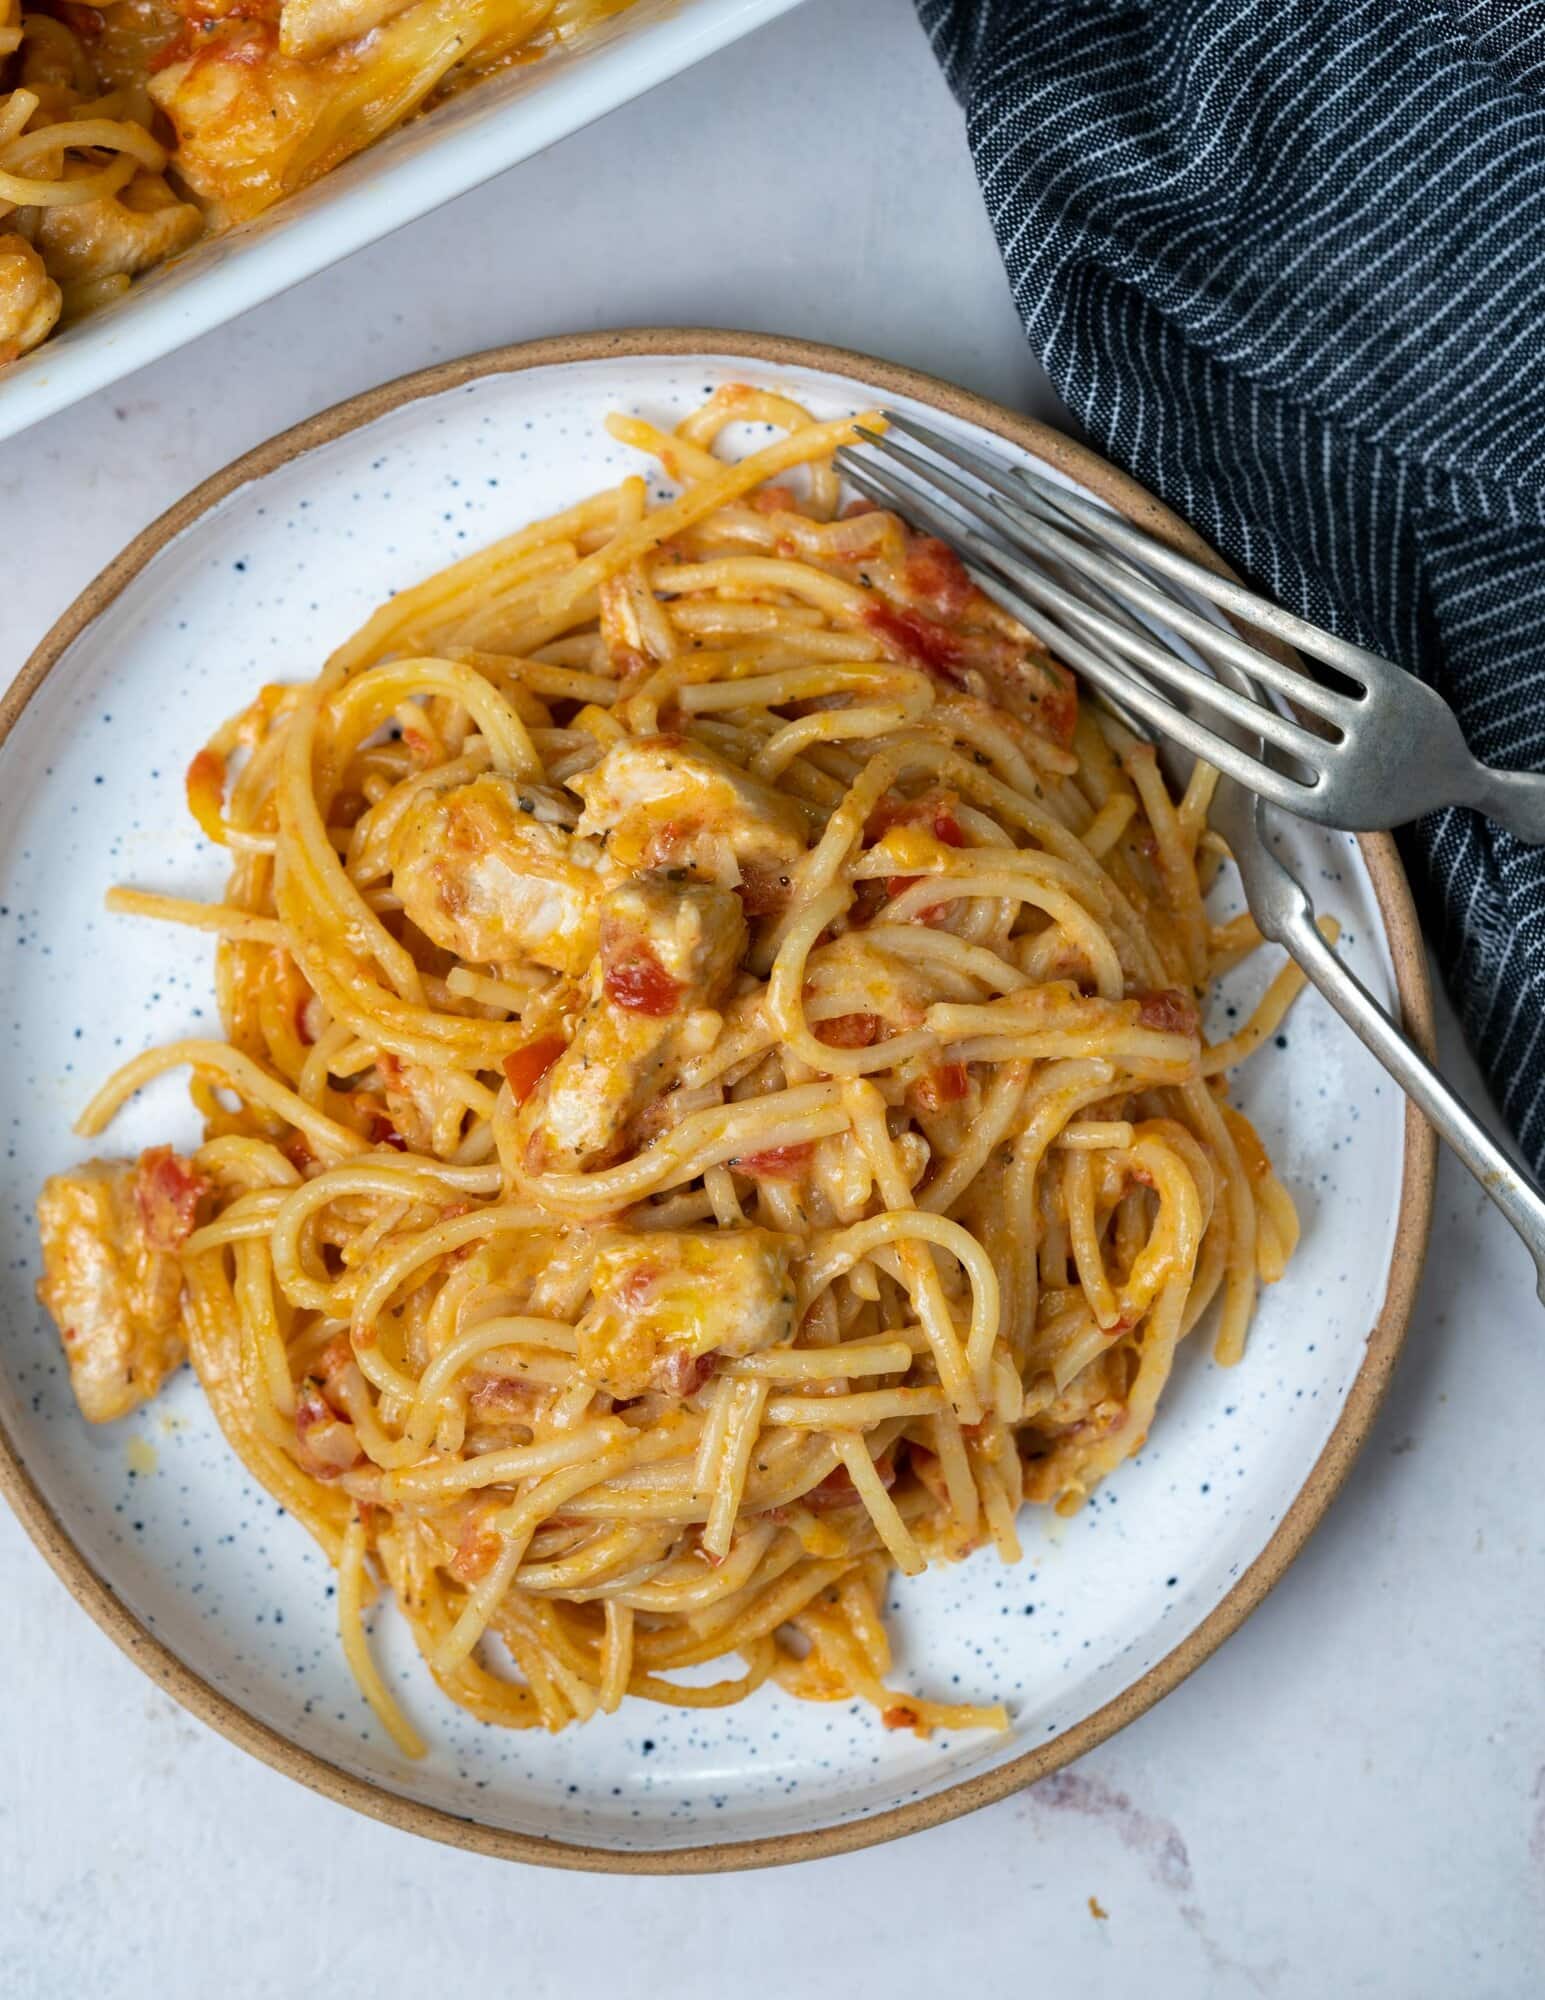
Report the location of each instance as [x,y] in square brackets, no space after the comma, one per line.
[1384,1337]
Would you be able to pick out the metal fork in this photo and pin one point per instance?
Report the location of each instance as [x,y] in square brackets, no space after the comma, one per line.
[1389,748]
[1284,913]
[1277,899]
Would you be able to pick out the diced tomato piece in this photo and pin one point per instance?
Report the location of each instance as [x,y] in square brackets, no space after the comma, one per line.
[501,1399]
[635,1288]
[384,1133]
[167,1193]
[199,37]
[1057,710]
[337,1355]
[1172,1012]
[945,1084]
[307,1022]
[849,1031]
[900,1716]
[678,1374]
[638,982]
[777,1163]
[934,572]
[665,847]
[951,1082]
[311,1407]
[934,810]
[773,500]
[919,638]
[526,1066]
[176,50]
[478,1548]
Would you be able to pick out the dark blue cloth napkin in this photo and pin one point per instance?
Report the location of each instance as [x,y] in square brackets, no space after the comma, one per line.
[1285,260]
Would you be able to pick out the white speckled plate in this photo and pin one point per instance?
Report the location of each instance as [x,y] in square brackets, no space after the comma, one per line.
[153,1523]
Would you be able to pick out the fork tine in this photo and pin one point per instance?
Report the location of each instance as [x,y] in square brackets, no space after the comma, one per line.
[1211,640]
[885,488]
[1356,663]
[1041,501]
[989,471]
[1059,505]
[994,477]
[1121,686]
[893,494]
[1402,752]
[1050,537]
[1154,659]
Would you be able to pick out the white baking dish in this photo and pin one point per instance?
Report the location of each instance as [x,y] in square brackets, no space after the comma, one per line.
[475,136]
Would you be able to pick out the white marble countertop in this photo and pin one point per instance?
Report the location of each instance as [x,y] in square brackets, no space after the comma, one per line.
[1348,1799]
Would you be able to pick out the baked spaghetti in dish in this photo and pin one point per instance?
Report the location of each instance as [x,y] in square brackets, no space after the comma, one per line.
[129,128]
[712,1109]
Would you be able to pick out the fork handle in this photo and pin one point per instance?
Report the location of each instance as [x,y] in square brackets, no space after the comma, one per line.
[1505,1184]
[1514,799]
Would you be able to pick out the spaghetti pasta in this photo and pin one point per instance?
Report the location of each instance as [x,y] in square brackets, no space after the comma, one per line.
[128,128]
[713,1105]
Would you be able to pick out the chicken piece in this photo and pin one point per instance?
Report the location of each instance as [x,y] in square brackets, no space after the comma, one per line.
[666,948]
[663,801]
[1089,1404]
[664,1302]
[256,121]
[326,1445]
[29,298]
[481,872]
[242,113]
[111,1276]
[424,1110]
[326,1442]
[310,28]
[120,234]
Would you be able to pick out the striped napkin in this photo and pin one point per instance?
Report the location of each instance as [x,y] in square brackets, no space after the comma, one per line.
[1285,260]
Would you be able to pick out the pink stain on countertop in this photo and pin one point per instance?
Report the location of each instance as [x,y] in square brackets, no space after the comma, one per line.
[1157,1840]
[1160,1845]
